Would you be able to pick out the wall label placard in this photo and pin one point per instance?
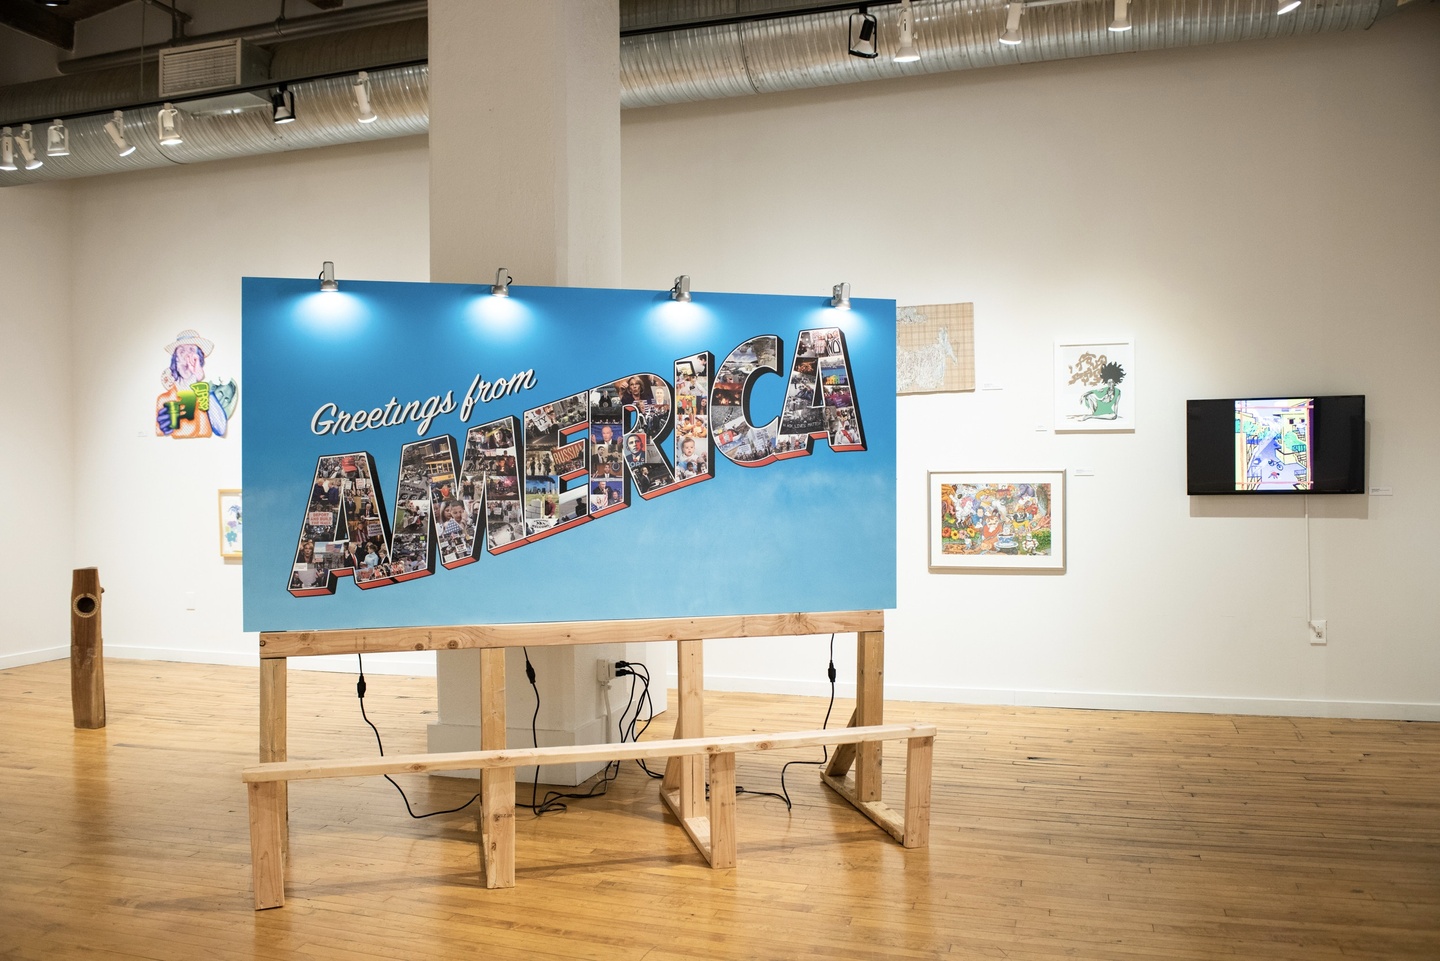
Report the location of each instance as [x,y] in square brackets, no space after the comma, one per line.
[415,449]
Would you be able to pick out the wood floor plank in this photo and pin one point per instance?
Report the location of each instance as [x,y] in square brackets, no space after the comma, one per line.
[1055,834]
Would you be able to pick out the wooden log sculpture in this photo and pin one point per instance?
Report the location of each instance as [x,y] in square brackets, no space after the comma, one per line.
[87,662]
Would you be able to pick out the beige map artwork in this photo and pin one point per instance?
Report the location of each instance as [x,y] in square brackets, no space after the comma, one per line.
[934,348]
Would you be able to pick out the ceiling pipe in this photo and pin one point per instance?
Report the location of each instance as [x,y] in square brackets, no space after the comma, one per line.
[657,67]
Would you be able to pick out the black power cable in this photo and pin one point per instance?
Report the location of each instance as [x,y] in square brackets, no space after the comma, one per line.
[637,672]
[554,800]
[784,794]
[631,729]
[360,690]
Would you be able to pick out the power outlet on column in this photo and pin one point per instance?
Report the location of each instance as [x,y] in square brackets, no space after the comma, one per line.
[1319,632]
[604,672]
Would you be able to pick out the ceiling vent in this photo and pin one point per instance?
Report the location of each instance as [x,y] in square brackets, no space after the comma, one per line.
[220,65]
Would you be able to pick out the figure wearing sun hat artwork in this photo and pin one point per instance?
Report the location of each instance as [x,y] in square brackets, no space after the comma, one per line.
[192,406]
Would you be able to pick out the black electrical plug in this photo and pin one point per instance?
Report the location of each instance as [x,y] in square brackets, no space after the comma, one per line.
[360,687]
[831,672]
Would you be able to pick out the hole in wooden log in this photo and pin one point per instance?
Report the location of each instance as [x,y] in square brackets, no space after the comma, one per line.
[86,605]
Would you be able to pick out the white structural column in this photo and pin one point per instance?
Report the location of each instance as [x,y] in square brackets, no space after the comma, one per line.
[525,174]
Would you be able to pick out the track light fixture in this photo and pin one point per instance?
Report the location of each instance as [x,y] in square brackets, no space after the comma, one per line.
[169,129]
[864,35]
[115,127]
[841,297]
[1285,6]
[7,150]
[1012,35]
[501,287]
[328,283]
[282,105]
[907,52]
[681,290]
[26,142]
[57,140]
[360,89]
[1121,21]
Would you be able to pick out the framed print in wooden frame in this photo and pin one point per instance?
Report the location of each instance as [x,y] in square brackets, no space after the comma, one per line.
[1095,385]
[997,520]
[232,530]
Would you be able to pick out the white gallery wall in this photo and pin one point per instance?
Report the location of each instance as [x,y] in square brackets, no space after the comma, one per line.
[40,391]
[1259,217]
[151,254]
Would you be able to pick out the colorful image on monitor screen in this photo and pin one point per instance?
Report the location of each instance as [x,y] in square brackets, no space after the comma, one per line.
[1273,444]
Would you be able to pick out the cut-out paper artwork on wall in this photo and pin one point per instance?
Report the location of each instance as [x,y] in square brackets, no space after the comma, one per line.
[232,525]
[1095,386]
[193,405]
[1002,520]
[431,454]
[934,348]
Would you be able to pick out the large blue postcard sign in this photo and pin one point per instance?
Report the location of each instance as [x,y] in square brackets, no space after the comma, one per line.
[432,454]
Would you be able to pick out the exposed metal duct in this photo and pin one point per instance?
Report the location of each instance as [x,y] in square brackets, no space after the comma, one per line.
[326,117]
[216,128]
[766,56]
[658,65]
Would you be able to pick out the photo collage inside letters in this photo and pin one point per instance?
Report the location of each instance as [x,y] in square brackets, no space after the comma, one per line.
[626,421]
[344,530]
[819,399]
[692,432]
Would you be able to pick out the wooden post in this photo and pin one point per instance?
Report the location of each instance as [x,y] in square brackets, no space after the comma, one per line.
[497,789]
[267,863]
[275,733]
[722,810]
[919,755]
[686,775]
[843,757]
[497,785]
[87,661]
[869,709]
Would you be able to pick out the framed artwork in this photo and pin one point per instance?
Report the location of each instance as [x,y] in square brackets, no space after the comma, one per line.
[997,520]
[934,348]
[1095,386]
[232,531]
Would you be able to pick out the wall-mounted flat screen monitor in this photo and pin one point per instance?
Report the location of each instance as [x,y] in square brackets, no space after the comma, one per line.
[1276,445]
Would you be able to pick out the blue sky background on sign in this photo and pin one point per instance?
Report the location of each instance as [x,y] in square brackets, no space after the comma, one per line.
[810,533]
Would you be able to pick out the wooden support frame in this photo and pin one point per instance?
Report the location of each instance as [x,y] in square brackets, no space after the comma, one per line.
[718,843]
[683,787]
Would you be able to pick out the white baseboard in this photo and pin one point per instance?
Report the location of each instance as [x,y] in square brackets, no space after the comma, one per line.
[181,655]
[21,658]
[1178,703]
[405,663]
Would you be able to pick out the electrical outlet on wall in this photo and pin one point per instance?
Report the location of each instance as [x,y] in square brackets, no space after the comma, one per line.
[1319,632]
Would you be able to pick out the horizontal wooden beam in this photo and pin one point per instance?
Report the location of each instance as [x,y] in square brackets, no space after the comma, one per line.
[381,640]
[576,754]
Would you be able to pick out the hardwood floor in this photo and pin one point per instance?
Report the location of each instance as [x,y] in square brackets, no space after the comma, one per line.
[1055,834]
